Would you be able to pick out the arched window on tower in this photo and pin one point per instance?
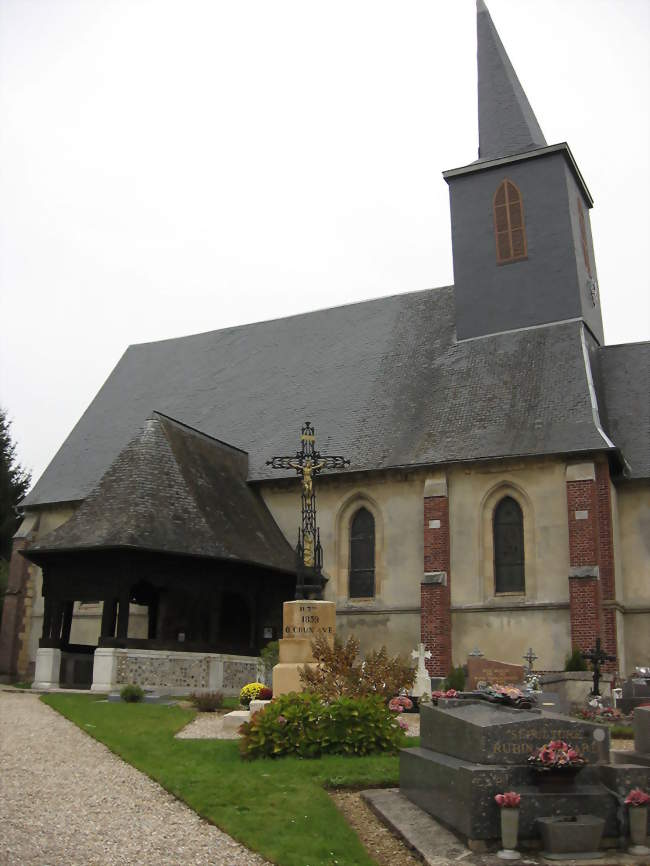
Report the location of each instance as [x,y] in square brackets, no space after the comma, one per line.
[508,527]
[362,555]
[509,229]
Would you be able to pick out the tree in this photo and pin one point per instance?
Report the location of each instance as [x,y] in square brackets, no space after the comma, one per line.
[14,483]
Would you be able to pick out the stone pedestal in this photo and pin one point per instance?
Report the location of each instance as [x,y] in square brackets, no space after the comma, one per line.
[48,668]
[104,669]
[302,621]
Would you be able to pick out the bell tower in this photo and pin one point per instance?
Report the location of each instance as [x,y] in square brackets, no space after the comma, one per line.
[521,236]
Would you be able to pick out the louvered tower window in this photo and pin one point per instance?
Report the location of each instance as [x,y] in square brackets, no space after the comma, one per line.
[362,555]
[508,547]
[509,230]
[583,237]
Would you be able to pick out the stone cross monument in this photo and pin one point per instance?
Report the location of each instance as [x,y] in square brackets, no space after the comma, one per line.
[422,684]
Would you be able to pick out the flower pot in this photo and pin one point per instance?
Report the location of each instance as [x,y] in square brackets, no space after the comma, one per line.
[556,779]
[509,829]
[638,829]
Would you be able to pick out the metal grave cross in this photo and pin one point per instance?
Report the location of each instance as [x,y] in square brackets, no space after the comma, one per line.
[530,657]
[597,656]
[308,463]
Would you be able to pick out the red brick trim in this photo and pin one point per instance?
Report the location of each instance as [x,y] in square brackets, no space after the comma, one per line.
[435,591]
[591,547]
[606,561]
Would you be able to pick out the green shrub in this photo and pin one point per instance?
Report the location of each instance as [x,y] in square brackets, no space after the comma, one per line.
[455,679]
[207,702]
[621,732]
[132,694]
[270,656]
[303,725]
[575,661]
[250,693]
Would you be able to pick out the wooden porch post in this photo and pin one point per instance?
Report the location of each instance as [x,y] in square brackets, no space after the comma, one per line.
[68,609]
[109,614]
[123,616]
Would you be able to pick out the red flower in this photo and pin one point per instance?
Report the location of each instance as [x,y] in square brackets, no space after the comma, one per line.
[637,797]
[509,800]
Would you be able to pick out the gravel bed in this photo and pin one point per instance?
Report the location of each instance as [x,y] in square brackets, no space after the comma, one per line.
[207,726]
[66,800]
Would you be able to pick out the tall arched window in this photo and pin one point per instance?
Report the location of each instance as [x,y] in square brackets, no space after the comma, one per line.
[362,555]
[509,230]
[508,527]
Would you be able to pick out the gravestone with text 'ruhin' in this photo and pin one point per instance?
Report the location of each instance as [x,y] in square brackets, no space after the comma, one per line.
[302,622]
[470,750]
[491,671]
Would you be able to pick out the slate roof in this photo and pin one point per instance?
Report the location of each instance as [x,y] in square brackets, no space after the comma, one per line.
[624,397]
[174,490]
[385,383]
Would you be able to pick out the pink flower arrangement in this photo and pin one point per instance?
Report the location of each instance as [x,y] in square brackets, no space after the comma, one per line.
[507,691]
[556,754]
[637,797]
[399,704]
[450,693]
[509,800]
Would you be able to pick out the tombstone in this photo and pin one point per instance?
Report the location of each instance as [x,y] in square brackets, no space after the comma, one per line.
[302,621]
[491,671]
[640,755]
[636,692]
[470,751]
[422,684]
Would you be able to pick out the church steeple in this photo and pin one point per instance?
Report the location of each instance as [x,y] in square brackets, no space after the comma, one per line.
[521,238]
[506,122]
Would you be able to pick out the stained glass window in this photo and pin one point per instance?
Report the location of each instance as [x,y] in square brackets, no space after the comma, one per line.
[362,555]
[508,547]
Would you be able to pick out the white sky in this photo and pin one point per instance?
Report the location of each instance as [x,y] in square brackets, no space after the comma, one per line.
[170,167]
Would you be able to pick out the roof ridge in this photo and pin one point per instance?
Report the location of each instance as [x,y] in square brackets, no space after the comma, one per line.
[293,316]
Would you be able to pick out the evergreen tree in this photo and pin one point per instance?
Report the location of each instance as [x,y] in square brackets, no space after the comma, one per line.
[14,483]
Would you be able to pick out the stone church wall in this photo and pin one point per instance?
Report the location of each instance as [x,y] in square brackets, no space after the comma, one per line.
[634,531]
[502,626]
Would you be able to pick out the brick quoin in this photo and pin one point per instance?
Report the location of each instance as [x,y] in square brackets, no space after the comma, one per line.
[435,599]
[591,544]
[606,561]
[14,610]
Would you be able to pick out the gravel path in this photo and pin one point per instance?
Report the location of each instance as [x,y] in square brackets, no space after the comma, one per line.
[66,800]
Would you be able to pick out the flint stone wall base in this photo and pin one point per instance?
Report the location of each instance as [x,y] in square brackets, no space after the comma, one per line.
[169,672]
[461,794]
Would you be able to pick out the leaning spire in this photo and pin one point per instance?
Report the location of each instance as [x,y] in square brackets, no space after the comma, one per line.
[506,122]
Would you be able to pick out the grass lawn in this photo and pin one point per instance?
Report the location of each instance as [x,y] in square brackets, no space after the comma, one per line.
[277,807]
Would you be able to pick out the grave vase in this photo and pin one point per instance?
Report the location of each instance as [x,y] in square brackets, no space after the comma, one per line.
[509,831]
[638,829]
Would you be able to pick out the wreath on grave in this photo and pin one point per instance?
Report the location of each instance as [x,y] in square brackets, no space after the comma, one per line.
[556,758]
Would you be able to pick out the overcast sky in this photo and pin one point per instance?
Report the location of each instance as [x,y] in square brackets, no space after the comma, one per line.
[171,167]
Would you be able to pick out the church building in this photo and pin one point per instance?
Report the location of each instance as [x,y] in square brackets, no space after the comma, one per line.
[498,487]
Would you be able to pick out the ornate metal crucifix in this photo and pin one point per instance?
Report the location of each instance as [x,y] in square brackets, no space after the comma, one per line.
[308,462]
[597,656]
[530,657]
